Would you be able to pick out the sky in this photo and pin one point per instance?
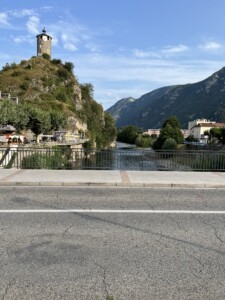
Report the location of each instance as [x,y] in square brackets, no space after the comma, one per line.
[125,48]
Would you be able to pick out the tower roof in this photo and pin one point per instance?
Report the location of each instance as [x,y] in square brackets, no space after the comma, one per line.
[43,32]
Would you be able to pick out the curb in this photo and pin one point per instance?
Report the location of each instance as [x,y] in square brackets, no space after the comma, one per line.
[112,184]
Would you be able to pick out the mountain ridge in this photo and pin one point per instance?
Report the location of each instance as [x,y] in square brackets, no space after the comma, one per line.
[203,99]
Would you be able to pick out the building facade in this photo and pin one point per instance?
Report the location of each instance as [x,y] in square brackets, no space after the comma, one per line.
[44,44]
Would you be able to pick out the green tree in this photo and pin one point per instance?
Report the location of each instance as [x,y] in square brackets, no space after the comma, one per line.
[7,112]
[87,91]
[169,144]
[109,129]
[69,66]
[170,129]
[128,134]
[143,141]
[21,119]
[13,114]
[57,120]
[38,120]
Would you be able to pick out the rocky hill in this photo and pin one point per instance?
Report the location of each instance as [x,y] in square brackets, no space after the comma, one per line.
[204,99]
[51,85]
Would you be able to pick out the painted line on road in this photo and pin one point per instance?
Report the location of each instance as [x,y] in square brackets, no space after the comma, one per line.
[113,211]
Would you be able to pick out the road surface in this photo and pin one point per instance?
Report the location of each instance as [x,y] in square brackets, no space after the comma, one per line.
[127,243]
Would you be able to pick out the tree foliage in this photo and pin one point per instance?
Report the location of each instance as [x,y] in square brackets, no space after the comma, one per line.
[69,66]
[26,116]
[38,120]
[170,129]
[169,144]
[216,134]
[101,126]
[57,120]
[143,141]
[128,134]
[87,91]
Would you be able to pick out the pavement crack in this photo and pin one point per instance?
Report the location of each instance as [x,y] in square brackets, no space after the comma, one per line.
[64,233]
[7,288]
[215,231]
[193,256]
[176,222]
[104,280]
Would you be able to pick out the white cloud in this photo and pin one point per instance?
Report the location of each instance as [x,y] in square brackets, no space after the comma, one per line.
[4,18]
[47,8]
[145,54]
[175,49]
[211,46]
[19,39]
[92,47]
[70,46]
[20,13]
[33,25]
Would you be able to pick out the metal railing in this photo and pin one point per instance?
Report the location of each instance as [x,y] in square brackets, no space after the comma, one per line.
[115,159]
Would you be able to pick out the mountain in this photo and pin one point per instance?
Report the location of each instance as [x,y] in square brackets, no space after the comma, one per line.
[50,85]
[204,99]
[121,105]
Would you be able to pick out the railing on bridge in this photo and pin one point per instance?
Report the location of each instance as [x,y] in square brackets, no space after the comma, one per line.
[115,159]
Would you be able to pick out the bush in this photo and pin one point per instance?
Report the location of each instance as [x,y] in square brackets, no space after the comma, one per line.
[63,74]
[143,141]
[24,86]
[69,66]
[169,144]
[44,161]
[56,61]
[28,67]
[46,56]
[61,96]
[16,73]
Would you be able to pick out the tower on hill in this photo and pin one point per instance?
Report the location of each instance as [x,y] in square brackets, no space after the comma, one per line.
[44,43]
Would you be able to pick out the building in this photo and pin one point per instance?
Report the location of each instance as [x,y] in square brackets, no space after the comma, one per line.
[199,129]
[152,131]
[156,132]
[196,122]
[44,44]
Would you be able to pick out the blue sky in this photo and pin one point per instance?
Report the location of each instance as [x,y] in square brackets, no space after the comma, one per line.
[123,47]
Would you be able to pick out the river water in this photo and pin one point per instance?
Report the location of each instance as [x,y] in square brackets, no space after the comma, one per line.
[123,157]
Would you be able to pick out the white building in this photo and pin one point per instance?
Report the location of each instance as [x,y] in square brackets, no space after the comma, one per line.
[199,129]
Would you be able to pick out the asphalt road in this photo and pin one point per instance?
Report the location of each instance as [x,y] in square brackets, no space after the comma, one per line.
[125,243]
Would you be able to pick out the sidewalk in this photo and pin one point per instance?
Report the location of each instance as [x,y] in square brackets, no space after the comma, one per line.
[15,177]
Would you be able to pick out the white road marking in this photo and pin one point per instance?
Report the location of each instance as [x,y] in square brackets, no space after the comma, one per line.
[113,211]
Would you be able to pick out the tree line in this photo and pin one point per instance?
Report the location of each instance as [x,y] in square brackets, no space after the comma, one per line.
[26,116]
[170,136]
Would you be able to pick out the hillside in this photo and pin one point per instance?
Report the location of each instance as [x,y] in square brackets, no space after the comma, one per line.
[46,84]
[51,85]
[204,99]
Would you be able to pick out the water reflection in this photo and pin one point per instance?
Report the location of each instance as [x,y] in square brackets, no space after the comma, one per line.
[123,157]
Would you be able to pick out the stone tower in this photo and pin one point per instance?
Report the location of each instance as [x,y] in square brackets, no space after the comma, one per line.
[44,44]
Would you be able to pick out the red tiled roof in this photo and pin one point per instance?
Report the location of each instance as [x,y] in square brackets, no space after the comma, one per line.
[210,125]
